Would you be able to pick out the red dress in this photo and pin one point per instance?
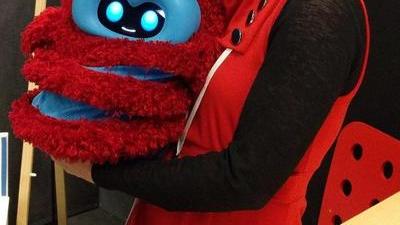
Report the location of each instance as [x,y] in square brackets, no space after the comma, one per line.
[217,118]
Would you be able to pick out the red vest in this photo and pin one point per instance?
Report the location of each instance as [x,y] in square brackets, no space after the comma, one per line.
[218,116]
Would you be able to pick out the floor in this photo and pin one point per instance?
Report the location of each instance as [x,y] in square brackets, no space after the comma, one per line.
[95,217]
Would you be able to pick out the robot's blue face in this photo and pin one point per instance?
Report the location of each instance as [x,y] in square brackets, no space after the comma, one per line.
[173,21]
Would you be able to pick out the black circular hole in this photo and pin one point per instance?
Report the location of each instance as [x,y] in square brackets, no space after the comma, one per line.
[337,220]
[346,187]
[357,151]
[237,36]
[374,202]
[388,170]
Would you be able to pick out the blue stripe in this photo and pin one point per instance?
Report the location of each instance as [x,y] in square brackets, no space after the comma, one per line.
[3,166]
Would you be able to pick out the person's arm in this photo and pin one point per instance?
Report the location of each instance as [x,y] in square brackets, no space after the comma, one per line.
[314,53]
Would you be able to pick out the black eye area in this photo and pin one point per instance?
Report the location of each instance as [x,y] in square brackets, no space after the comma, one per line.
[142,21]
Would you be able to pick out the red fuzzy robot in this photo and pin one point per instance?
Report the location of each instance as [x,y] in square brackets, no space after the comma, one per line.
[107,92]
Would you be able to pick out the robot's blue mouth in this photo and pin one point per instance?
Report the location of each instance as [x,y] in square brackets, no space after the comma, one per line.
[135,72]
[60,107]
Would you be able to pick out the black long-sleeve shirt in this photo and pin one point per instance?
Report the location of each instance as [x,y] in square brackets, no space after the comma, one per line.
[315,53]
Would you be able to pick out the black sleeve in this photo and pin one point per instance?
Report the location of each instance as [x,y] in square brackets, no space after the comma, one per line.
[313,52]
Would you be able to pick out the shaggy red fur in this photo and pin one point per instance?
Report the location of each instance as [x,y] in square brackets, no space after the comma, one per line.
[61,50]
[129,96]
[97,141]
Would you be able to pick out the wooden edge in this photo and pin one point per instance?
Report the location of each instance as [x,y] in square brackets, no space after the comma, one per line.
[40,6]
[385,213]
[27,157]
[60,195]
[25,184]
[32,86]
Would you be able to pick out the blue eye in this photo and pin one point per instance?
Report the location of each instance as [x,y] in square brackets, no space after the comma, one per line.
[149,21]
[115,11]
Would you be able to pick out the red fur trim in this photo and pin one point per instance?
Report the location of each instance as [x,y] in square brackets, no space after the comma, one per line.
[55,30]
[61,49]
[122,95]
[97,141]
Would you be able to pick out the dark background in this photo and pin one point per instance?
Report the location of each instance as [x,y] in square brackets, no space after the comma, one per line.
[93,206]
[377,104]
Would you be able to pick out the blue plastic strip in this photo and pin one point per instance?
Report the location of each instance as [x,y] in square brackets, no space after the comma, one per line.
[4,166]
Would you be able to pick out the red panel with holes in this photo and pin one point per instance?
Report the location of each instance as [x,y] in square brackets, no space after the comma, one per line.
[365,170]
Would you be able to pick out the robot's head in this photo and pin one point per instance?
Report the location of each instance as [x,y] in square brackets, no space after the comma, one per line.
[172,21]
[116,77]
